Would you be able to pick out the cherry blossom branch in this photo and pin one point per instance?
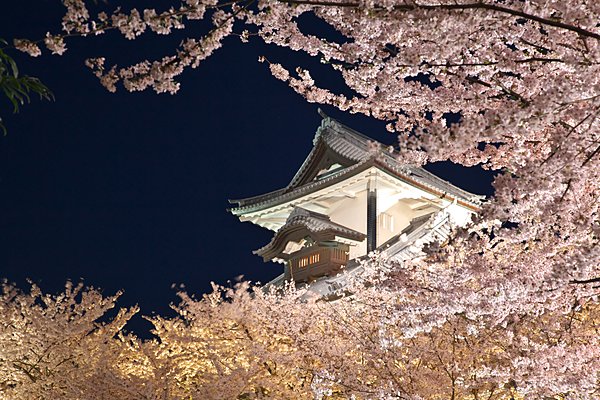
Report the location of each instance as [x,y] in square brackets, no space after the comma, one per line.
[80,27]
[455,7]
[487,63]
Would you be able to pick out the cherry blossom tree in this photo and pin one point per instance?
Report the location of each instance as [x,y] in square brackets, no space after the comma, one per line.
[510,304]
[248,343]
[53,347]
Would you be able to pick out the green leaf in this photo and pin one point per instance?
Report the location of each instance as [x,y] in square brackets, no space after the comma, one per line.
[17,89]
[13,66]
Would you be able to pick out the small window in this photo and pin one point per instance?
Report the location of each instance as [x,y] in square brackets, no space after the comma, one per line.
[386,221]
[303,262]
[312,259]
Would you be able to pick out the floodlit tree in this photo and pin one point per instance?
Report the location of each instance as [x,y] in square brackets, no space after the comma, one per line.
[510,304]
[53,347]
[246,343]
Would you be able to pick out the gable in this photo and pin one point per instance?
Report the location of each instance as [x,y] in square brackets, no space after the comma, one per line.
[321,162]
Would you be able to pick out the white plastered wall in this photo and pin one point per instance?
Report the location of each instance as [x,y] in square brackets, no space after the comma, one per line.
[401,214]
[394,197]
[352,213]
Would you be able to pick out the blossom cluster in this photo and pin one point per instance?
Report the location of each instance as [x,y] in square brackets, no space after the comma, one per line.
[28,47]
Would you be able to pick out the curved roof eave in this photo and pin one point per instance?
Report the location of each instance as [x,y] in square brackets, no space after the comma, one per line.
[352,145]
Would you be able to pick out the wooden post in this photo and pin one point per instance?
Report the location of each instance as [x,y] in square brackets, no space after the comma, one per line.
[371,217]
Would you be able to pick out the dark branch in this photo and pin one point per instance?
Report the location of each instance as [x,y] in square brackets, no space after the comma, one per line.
[589,158]
[586,281]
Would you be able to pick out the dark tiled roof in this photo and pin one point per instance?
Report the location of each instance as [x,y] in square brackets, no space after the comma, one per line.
[363,152]
[313,222]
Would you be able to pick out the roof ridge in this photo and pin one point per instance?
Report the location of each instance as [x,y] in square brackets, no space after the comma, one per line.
[329,121]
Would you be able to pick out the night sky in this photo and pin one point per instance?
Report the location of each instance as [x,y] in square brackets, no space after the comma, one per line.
[129,190]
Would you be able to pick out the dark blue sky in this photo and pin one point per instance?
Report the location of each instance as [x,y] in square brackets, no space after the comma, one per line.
[129,190]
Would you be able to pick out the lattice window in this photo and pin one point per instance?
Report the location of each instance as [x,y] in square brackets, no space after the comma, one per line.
[337,253]
[308,260]
[303,262]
